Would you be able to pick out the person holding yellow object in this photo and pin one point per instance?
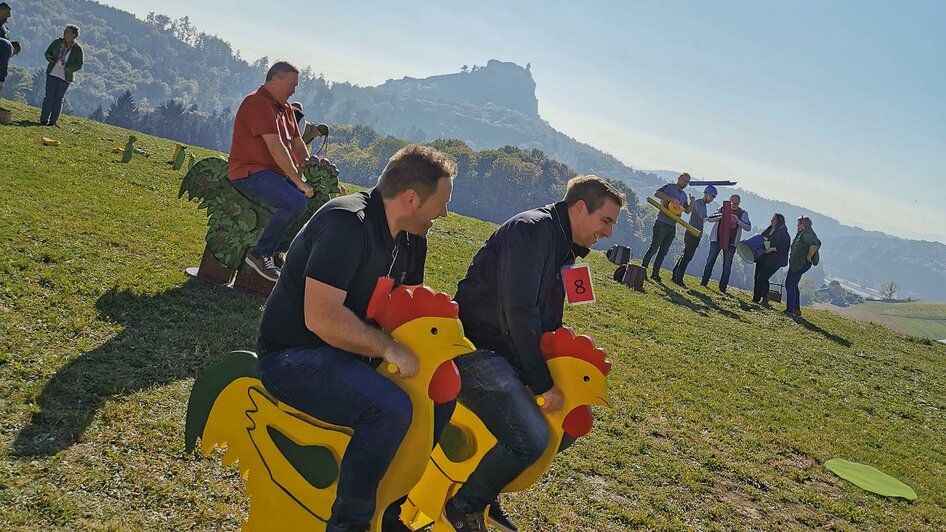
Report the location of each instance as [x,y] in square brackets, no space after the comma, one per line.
[673,197]
[512,293]
[317,351]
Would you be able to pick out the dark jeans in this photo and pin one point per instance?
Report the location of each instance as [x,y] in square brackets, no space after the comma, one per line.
[52,103]
[340,388]
[690,244]
[792,294]
[274,190]
[6,52]
[660,244]
[492,390]
[764,270]
[711,263]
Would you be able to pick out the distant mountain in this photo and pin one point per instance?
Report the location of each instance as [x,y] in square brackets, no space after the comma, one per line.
[488,107]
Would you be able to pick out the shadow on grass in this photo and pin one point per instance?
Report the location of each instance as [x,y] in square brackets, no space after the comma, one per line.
[844,342]
[709,303]
[677,299]
[167,337]
[26,123]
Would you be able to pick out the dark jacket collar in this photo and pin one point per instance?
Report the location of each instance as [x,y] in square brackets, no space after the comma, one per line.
[560,215]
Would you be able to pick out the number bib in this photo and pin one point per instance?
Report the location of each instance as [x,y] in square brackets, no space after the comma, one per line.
[578,288]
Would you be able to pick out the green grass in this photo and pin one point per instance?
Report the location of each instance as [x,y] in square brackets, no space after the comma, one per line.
[926,320]
[724,412]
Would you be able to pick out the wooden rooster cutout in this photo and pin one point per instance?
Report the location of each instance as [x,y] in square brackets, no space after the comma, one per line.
[578,368]
[290,460]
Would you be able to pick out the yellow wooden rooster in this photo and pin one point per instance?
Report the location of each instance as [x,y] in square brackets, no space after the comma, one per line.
[290,459]
[578,368]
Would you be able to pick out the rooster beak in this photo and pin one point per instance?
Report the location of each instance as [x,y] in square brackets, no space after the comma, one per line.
[465,346]
[602,401]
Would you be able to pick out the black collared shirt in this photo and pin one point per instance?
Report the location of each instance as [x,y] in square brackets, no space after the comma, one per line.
[513,290]
[346,244]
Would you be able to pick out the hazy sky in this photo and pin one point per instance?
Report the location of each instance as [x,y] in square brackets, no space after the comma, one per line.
[834,105]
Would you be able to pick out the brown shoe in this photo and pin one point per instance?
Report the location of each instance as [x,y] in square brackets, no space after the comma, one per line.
[263,266]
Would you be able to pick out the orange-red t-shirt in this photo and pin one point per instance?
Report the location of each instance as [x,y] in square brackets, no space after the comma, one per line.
[259,114]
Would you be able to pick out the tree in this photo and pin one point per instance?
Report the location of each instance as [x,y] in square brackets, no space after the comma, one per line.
[123,113]
[98,114]
[888,289]
[464,69]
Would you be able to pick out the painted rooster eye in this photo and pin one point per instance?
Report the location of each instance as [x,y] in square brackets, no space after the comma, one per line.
[587,378]
[433,331]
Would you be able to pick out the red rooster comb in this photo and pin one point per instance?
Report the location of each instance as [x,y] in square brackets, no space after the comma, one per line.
[391,309]
[564,343]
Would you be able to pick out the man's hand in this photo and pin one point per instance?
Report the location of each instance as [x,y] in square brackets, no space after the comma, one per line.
[692,199]
[306,189]
[771,250]
[402,357]
[552,400]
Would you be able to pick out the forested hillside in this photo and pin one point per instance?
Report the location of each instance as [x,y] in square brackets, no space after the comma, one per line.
[165,77]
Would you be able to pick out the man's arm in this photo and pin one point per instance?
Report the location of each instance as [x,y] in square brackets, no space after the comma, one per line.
[327,316]
[744,223]
[662,197]
[284,161]
[520,273]
[812,249]
[299,148]
[690,204]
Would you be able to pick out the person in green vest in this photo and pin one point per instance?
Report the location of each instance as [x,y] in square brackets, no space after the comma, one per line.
[804,255]
[65,57]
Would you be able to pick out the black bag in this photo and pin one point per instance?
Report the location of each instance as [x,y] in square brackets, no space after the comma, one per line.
[619,254]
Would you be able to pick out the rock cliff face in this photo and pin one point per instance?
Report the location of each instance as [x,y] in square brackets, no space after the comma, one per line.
[499,83]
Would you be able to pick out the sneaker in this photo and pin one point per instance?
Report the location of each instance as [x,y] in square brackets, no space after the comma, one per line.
[263,266]
[499,518]
[678,282]
[460,521]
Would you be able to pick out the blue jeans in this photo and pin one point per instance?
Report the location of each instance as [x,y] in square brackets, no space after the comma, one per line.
[660,244]
[711,263]
[52,103]
[340,388]
[792,294]
[492,390]
[274,190]
[6,52]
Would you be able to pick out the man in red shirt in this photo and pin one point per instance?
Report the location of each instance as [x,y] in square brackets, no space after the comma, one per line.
[264,157]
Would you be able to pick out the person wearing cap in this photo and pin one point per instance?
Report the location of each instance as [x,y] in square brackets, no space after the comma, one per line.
[690,242]
[671,195]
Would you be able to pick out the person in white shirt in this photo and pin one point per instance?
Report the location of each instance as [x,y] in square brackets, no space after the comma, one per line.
[65,58]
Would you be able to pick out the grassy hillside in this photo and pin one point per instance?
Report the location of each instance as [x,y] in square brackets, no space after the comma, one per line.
[724,412]
[926,320]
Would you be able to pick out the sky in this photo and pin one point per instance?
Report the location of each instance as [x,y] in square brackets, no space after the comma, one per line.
[832,105]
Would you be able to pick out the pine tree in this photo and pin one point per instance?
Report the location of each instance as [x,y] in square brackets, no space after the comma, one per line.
[98,114]
[123,113]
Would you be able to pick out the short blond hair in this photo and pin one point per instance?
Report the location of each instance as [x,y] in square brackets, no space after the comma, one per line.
[593,190]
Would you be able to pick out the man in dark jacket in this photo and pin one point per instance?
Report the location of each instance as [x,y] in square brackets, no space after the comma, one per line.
[8,48]
[513,293]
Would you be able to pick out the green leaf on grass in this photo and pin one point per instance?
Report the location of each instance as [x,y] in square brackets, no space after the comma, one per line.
[870,479]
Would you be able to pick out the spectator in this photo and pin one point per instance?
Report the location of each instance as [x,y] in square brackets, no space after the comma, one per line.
[65,57]
[804,255]
[264,155]
[690,243]
[740,219]
[671,195]
[8,49]
[778,243]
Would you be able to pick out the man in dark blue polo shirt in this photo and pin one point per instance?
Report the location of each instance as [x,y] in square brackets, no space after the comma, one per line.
[317,351]
[513,292]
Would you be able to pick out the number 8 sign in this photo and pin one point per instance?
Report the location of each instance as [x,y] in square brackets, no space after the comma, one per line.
[578,288]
